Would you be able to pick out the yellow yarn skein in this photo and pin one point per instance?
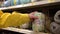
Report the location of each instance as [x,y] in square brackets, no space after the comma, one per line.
[14,19]
[3,19]
[17,19]
[1,12]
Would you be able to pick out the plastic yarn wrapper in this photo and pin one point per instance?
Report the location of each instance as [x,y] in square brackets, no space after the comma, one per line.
[24,26]
[38,24]
[6,4]
[25,1]
[15,2]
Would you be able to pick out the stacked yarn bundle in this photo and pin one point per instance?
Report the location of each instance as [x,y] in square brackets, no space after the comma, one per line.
[15,2]
[55,26]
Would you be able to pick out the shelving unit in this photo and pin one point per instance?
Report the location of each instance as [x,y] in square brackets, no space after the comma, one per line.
[38,4]
[24,31]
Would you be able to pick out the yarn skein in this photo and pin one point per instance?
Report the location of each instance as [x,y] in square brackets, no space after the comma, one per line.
[57,17]
[55,28]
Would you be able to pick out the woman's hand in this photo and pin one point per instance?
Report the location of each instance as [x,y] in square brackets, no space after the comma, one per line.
[32,16]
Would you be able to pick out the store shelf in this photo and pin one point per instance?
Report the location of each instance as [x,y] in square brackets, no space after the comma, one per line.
[24,31]
[17,30]
[38,4]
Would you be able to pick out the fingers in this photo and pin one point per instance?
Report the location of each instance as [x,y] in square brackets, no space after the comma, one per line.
[32,15]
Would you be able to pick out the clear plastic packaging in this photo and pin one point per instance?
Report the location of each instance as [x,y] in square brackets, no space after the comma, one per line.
[38,24]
